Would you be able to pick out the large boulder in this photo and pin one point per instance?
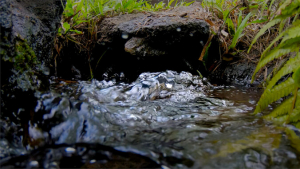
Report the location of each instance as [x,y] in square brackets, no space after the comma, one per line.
[134,43]
[28,29]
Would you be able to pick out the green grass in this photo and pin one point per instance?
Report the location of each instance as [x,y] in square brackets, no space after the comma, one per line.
[77,12]
[82,17]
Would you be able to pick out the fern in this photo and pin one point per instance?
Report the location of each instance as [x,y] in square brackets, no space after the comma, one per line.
[293,32]
[289,110]
[276,53]
[289,67]
[266,27]
[284,108]
[281,110]
[295,115]
[284,5]
[294,138]
[279,91]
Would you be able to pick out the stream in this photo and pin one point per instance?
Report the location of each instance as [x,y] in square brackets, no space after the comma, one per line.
[161,120]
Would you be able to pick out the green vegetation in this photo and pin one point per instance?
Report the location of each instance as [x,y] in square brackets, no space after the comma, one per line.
[280,18]
[82,17]
[25,57]
[240,19]
[285,81]
[234,17]
[77,12]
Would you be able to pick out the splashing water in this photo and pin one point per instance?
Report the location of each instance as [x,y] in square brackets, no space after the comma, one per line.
[125,35]
[176,119]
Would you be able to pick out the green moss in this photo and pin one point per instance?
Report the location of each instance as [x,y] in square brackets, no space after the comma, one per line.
[2,51]
[24,55]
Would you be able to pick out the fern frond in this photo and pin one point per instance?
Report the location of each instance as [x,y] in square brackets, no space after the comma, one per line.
[293,137]
[289,67]
[271,44]
[282,24]
[287,9]
[292,45]
[291,9]
[266,27]
[270,96]
[282,109]
[292,32]
[295,116]
[284,5]
[296,76]
[297,125]
[281,119]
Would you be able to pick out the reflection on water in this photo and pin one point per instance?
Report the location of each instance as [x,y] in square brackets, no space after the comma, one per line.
[176,119]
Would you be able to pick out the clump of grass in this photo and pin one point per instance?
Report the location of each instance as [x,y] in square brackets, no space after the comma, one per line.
[235,22]
[78,12]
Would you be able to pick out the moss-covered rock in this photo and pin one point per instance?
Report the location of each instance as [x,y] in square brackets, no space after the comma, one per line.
[28,29]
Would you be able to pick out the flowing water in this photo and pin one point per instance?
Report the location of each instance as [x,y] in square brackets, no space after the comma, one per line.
[167,119]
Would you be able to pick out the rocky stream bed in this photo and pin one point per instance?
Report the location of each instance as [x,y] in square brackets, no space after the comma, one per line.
[162,120]
[146,106]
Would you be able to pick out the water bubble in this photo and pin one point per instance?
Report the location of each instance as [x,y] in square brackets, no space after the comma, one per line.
[178,29]
[34,164]
[46,71]
[201,42]
[191,34]
[122,75]
[169,85]
[105,75]
[53,165]
[164,167]
[125,35]
[70,150]
[252,102]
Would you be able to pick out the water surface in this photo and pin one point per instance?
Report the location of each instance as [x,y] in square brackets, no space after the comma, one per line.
[176,119]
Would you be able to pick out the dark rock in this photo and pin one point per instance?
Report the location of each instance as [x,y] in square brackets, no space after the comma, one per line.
[28,29]
[238,72]
[142,42]
[80,155]
[138,46]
